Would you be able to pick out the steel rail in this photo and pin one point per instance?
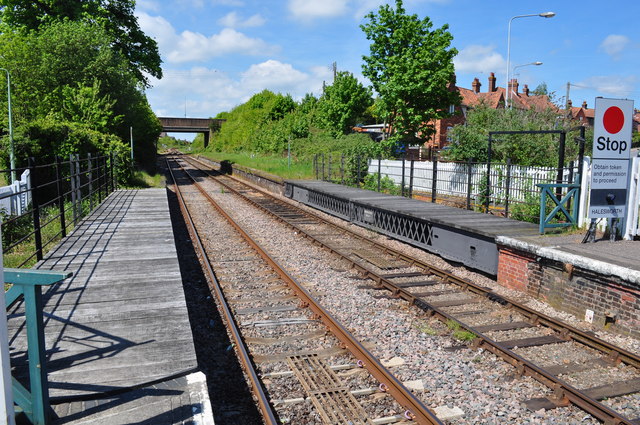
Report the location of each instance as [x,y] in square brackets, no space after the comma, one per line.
[415,409]
[245,358]
[564,393]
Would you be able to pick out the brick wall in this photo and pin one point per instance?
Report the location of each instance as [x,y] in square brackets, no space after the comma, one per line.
[615,302]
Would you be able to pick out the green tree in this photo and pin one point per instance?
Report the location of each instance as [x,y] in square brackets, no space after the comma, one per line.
[46,83]
[470,139]
[411,68]
[343,103]
[116,17]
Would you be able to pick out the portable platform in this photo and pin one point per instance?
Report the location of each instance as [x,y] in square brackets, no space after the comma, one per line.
[459,235]
[121,322]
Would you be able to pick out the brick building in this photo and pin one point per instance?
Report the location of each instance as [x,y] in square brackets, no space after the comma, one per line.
[494,97]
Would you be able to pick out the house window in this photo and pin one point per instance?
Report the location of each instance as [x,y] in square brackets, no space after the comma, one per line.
[452,109]
[449,134]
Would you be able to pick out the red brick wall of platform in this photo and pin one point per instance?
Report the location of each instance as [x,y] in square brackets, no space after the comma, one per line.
[614,301]
[513,269]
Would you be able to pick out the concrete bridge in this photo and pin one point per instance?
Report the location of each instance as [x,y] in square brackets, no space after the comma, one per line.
[191,125]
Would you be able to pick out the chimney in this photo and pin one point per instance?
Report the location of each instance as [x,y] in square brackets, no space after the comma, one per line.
[525,90]
[569,104]
[475,85]
[492,82]
[513,87]
[584,104]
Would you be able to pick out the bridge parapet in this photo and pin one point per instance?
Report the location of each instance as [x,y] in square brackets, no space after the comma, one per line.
[191,125]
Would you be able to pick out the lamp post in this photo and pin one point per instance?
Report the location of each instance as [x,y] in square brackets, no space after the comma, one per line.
[542,15]
[513,74]
[12,158]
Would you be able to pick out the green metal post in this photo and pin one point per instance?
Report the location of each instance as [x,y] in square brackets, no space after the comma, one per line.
[36,350]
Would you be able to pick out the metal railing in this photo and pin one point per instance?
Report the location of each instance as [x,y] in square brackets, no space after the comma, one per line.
[510,190]
[60,194]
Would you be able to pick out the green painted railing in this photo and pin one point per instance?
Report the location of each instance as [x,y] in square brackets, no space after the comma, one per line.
[572,198]
[27,284]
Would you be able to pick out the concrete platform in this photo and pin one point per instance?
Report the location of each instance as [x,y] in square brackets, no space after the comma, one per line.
[121,322]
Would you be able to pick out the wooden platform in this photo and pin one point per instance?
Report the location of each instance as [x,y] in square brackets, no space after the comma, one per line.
[121,321]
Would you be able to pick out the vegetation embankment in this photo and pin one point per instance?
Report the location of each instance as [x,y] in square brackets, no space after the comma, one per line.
[78,75]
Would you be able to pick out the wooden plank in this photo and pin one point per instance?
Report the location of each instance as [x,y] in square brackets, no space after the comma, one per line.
[615,389]
[503,327]
[453,303]
[419,283]
[564,369]
[398,275]
[531,342]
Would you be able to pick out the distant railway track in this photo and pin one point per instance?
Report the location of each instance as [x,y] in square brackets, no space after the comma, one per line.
[293,341]
[520,335]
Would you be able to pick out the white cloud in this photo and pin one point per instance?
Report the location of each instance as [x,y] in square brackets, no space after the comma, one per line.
[615,85]
[477,58]
[311,9]
[149,5]
[232,20]
[614,45]
[207,91]
[191,46]
[275,75]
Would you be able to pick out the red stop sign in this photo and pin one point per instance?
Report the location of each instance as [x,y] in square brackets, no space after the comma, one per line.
[613,119]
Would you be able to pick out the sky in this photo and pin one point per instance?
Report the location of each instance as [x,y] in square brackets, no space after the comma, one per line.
[217,53]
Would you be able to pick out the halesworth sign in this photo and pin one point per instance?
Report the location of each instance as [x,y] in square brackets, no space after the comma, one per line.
[611,153]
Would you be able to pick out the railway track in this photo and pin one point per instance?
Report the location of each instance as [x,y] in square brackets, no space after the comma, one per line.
[303,366]
[524,338]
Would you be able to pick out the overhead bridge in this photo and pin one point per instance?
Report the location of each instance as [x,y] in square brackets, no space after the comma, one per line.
[191,125]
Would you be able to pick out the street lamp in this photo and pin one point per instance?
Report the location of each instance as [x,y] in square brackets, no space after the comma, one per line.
[12,159]
[513,74]
[542,15]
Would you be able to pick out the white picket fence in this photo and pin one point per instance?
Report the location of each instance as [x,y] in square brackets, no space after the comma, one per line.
[15,198]
[452,180]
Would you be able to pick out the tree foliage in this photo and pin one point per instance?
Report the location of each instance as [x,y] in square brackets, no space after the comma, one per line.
[343,103]
[411,67]
[68,72]
[115,17]
[470,140]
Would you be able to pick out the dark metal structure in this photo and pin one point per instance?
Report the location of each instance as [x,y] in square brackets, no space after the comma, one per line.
[456,234]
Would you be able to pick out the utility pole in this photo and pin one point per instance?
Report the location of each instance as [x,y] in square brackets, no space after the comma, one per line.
[566,102]
[334,67]
[12,155]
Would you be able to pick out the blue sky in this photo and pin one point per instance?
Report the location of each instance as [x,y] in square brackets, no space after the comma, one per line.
[217,53]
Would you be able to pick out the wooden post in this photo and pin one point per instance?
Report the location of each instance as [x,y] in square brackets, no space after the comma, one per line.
[90,176]
[6,393]
[404,157]
[411,180]
[434,178]
[508,187]
[63,224]
[35,205]
[379,172]
[469,188]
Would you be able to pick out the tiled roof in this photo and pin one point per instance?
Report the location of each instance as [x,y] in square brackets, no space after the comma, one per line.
[496,99]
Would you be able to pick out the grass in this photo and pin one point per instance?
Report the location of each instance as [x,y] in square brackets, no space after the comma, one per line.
[425,328]
[273,164]
[459,333]
[144,179]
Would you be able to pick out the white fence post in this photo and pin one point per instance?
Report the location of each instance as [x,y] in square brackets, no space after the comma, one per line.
[6,393]
[632,227]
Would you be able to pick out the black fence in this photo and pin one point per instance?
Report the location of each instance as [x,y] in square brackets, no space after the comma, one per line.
[504,189]
[51,202]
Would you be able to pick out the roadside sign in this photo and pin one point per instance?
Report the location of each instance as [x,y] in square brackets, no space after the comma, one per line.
[611,152]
